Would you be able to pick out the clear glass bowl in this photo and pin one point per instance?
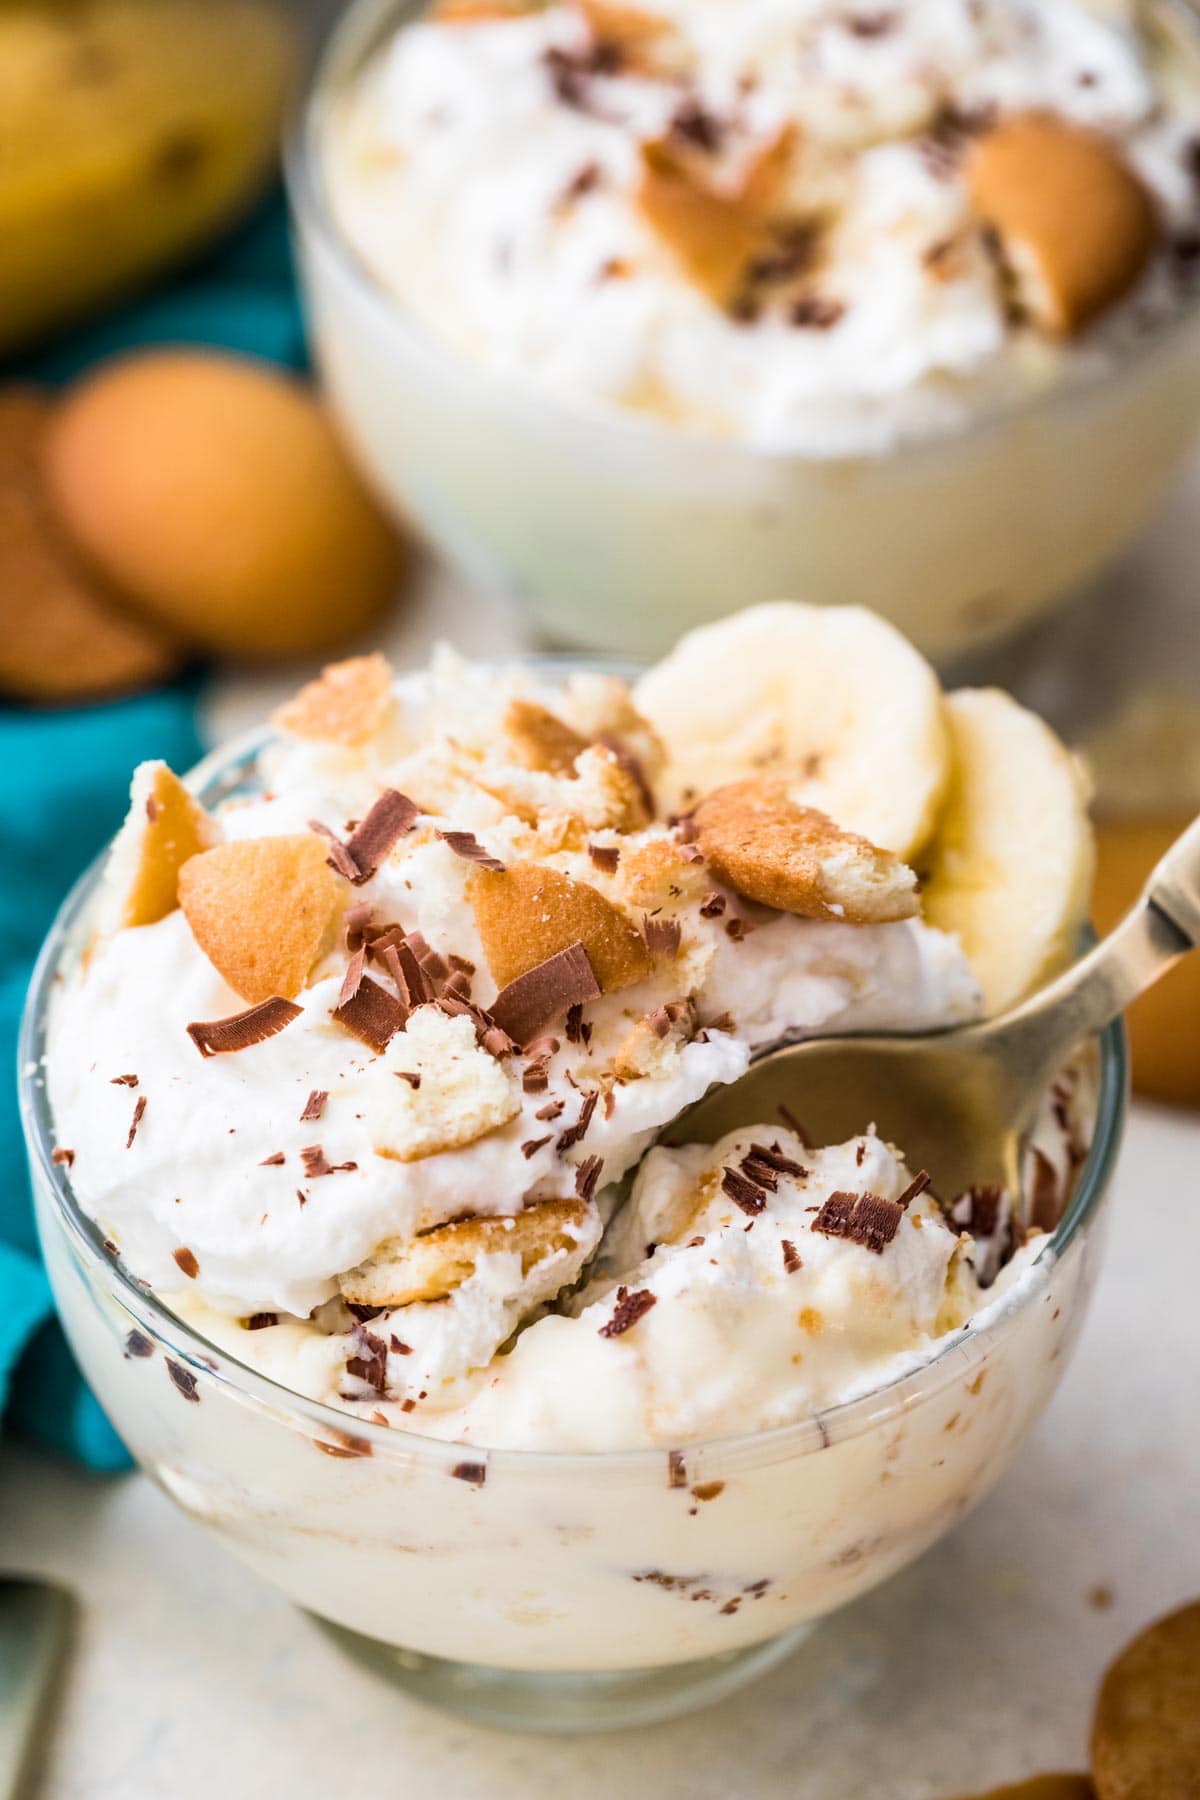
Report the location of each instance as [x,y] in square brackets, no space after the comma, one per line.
[555,1592]
[620,533]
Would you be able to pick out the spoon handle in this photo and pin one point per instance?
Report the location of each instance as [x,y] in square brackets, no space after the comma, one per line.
[1161,927]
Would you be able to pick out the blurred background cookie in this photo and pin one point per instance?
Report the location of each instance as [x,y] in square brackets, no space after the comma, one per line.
[215,493]
[1146,1731]
[64,636]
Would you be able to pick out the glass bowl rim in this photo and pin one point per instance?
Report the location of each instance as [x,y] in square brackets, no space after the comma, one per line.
[953,1359]
[355,38]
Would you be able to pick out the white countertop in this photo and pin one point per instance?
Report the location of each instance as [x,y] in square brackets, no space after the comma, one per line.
[191,1678]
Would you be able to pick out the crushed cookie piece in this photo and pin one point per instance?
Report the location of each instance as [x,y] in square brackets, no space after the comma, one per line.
[186,1260]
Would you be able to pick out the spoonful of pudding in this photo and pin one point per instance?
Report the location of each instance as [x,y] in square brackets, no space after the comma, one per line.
[963,1101]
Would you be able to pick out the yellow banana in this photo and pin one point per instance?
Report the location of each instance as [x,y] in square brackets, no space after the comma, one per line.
[129,131]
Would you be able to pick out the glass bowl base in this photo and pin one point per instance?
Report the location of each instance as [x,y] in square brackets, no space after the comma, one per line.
[581,1700]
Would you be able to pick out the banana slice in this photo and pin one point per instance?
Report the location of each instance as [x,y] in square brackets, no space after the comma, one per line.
[1011,869]
[831,700]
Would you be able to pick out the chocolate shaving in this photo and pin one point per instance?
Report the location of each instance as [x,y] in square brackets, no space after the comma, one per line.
[712,905]
[587,1175]
[793,1124]
[531,1146]
[629,1309]
[694,124]
[241,1031]
[124,1081]
[575,1133]
[261,1321]
[536,1079]
[978,1209]
[677,1475]
[574,1027]
[356,923]
[865,1219]
[461,964]
[497,1043]
[409,1075]
[274,1161]
[352,980]
[187,1261]
[313,1158]
[467,845]
[362,1312]
[314,1106]
[373,1016]
[63,1159]
[398,1347]
[916,1186]
[138,1344]
[392,815]
[184,1380]
[339,858]
[662,937]
[457,986]
[791,1257]
[1045,1201]
[743,1192]
[818,312]
[370,1365]
[776,1161]
[474,1473]
[138,1110]
[528,1004]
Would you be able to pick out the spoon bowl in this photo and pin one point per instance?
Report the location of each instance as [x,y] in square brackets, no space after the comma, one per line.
[961,1103]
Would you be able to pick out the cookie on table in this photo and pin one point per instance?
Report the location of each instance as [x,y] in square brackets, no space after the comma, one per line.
[1146,1729]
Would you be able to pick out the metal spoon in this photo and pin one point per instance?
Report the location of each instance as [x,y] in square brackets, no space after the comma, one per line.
[961,1102]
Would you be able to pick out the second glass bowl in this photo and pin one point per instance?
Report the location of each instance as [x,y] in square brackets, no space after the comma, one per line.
[620,534]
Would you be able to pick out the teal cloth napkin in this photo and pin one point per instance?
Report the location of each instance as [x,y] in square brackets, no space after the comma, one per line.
[72,768]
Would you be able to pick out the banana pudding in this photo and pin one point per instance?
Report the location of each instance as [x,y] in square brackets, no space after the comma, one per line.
[354,1068]
[356,1063]
[817,228]
[632,308]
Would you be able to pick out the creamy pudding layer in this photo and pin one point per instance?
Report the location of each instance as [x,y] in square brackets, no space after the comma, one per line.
[351,1068]
[805,224]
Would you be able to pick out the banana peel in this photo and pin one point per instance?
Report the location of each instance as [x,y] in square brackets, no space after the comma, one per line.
[130,132]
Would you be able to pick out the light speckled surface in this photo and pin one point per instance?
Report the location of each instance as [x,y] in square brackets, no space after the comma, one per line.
[977,1665]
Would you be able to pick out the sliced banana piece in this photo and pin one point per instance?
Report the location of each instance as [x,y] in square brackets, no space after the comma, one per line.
[1011,869]
[831,700]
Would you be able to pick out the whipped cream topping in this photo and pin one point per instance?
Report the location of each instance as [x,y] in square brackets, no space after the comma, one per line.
[254,1185]
[487,170]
